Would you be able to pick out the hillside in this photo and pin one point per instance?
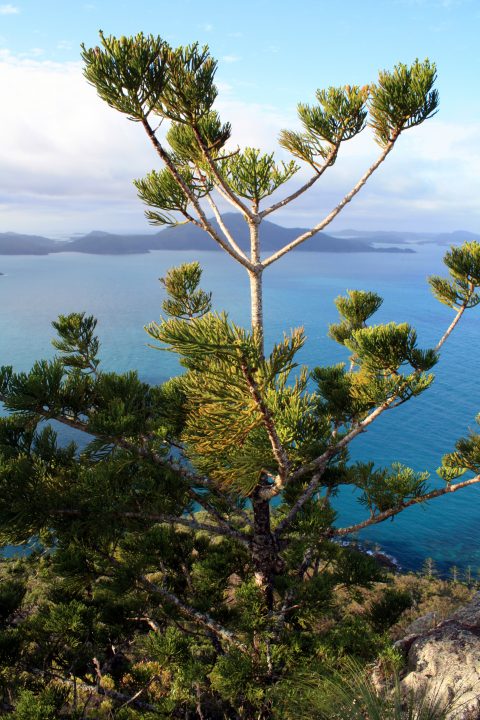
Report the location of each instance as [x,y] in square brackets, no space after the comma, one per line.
[273,237]
[189,237]
[399,237]
[17,244]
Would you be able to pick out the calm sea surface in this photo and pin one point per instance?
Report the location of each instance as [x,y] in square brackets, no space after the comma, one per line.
[124,293]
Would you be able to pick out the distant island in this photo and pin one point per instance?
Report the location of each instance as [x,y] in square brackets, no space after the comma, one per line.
[189,237]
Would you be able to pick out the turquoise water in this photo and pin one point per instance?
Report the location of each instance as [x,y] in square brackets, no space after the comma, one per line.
[123,292]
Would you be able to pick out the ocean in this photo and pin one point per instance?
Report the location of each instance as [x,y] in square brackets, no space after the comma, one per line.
[123,292]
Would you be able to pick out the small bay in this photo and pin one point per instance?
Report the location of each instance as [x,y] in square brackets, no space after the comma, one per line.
[123,292]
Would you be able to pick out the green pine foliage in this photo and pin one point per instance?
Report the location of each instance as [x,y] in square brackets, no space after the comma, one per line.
[255,176]
[340,115]
[402,99]
[183,557]
[146,569]
[463,264]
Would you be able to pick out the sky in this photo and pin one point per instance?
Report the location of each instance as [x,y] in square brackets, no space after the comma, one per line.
[67,160]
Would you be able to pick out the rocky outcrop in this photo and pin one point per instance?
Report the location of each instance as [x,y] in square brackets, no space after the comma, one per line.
[443,659]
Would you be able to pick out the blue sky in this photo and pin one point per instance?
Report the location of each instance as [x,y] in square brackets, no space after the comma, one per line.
[66,161]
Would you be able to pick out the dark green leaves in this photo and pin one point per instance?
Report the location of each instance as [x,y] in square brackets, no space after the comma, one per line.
[77,341]
[355,308]
[185,299]
[388,347]
[380,355]
[129,73]
[6,372]
[254,175]
[39,391]
[161,190]
[121,405]
[463,264]
[335,393]
[143,74]
[402,99]
[184,143]
[190,92]
[230,388]
[387,488]
[465,457]
[339,115]
[64,385]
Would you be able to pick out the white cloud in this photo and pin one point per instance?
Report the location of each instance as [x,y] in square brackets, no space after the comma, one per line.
[9,9]
[254,124]
[68,161]
[68,155]
[231,58]
[429,182]
[224,87]
[64,45]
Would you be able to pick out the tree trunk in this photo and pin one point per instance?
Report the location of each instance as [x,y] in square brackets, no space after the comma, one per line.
[264,553]
[256,293]
[256,298]
[263,548]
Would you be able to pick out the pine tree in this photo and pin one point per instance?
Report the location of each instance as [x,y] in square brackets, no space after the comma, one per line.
[429,569]
[468,576]
[187,557]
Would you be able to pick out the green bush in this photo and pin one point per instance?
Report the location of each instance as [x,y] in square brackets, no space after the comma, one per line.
[386,611]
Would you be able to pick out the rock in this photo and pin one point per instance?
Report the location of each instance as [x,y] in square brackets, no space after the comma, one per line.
[444,660]
[386,561]
[469,614]
[422,624]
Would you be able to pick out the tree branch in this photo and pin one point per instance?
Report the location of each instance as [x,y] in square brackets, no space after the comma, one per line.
[331,216]
[320,463]
[213,511]
[222,184]
[198,617]
[290,594]
[224,527]
[223,227]
[206,225]
[189,476]
[306,495]
[391,512]
[192,220]
[279,452]
[319,172]
[149,454]
[99,690]
[453,324]
[225,530]
[152,624]
[134,698]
